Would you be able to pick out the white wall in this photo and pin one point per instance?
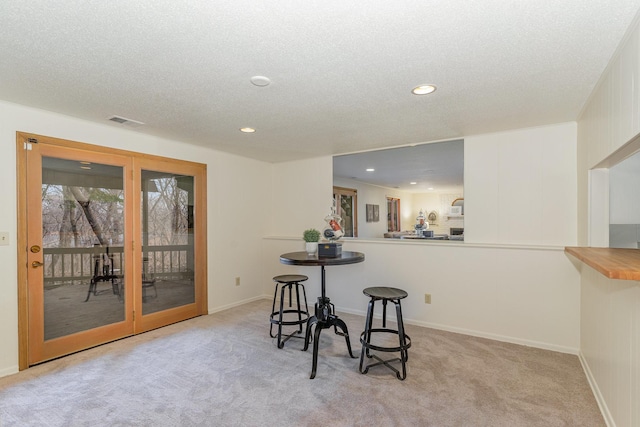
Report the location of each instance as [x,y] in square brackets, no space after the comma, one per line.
[610,309]
[428,202]
[237,189]
[520,186]
[299,198]
[610,343]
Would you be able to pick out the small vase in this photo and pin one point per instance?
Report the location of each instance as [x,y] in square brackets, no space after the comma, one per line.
[311,247]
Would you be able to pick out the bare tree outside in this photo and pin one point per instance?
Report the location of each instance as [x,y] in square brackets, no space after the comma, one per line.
[85,209]
[81,217]
[168,213]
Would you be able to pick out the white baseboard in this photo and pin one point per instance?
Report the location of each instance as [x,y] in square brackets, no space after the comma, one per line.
[236,304]
[479,334]
[471,332]
[602,404]
[9,371]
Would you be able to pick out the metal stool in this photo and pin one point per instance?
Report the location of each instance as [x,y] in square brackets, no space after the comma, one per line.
[404,341]
[288,281]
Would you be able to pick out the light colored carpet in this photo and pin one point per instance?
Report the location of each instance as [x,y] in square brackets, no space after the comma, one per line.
[225,370]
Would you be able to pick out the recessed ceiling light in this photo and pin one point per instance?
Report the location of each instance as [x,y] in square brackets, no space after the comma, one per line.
[430,188]
[247,130]
[412,183]
[260,81]
[423,90]
[370,169]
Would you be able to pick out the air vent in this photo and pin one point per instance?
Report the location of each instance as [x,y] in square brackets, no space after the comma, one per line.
[125,121]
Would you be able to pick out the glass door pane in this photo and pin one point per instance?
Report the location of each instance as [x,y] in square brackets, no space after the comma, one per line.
[82,244]
[167,224]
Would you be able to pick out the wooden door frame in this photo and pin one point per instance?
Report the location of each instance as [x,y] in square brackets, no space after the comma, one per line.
[200,245]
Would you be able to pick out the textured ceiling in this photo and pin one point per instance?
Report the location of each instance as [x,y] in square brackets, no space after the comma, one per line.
[341,71]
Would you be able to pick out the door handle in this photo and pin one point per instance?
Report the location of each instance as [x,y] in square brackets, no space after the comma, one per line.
[36,264]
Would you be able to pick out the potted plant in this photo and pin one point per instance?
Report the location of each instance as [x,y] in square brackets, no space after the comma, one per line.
[311,237]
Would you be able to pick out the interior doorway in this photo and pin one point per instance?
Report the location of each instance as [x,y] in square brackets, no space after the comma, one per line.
[347,208]
[115,244]
[393,214]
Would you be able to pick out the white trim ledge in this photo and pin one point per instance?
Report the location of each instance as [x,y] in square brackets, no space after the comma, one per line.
[446,243]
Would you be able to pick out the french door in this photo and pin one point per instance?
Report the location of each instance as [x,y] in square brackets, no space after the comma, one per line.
[114,245]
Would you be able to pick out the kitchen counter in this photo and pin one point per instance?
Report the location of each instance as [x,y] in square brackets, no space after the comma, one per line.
[435,237]
[614,263]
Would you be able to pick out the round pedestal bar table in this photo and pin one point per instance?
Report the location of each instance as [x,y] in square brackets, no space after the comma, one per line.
[325,316]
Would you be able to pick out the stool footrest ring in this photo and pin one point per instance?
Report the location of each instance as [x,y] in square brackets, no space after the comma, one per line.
[276,321]
[368,345]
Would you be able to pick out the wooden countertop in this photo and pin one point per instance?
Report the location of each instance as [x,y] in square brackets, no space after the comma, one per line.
[614,263]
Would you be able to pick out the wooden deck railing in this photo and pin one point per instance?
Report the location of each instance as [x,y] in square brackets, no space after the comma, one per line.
[76,265]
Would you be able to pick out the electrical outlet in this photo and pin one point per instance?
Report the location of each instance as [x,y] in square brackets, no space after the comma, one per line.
[237,281]
[427,298]
[4,238]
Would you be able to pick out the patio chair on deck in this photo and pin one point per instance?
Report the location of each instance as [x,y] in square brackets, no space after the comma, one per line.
[148,280]
[103,271]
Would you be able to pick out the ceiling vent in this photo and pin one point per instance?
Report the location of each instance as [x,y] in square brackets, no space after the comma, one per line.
[125,121]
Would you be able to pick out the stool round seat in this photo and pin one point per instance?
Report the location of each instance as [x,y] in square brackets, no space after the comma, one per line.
[384,292]
[296,315]
[287,278]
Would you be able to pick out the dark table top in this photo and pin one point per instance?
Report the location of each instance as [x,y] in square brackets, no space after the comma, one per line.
[302,258]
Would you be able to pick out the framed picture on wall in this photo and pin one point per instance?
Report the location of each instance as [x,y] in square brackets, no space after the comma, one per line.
[373,213]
